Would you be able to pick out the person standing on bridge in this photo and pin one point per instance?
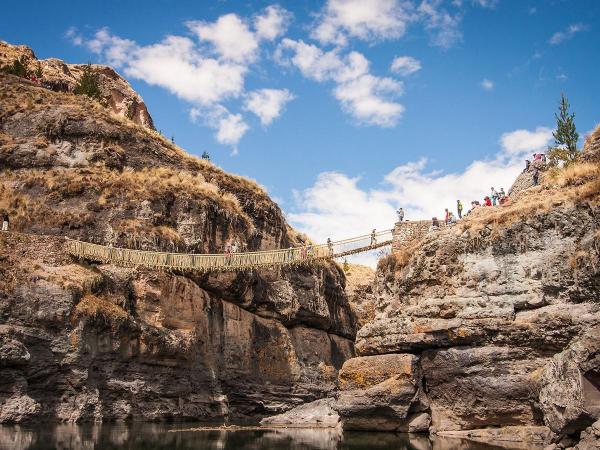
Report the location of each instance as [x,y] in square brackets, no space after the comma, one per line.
[330,246]
[5,221]
[459,208]
[400,213]
[373,237]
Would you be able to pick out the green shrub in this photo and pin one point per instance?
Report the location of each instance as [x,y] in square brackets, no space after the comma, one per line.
[89,84]
[18,68]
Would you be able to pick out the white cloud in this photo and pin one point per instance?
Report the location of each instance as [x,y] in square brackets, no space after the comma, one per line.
[230,36]
[337,206]
[442,26]
[562,36]
[377,20]
[177,65]
[115,49]
[267,104]
[309,59]
[486,84]
[74,36]
[486,3]
[366,97]
[522,142]
[405,65]
[366,20]
[230,128]
[562,77]
[273,23]
[206,71]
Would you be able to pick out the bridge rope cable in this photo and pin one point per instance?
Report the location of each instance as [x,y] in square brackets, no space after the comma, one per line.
[228,261]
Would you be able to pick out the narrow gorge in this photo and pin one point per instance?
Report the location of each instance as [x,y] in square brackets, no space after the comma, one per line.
[486,331]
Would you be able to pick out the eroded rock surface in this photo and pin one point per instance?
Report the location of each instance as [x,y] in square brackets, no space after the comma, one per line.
[92,342]
[116,92]
[382,393]
[500,318]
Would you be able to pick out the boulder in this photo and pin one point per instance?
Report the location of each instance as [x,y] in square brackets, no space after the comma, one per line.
[382,393]
[319,413]
[590,438]
[478,387]
[570,385]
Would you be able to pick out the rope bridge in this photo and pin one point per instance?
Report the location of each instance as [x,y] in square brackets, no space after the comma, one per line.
[231,261]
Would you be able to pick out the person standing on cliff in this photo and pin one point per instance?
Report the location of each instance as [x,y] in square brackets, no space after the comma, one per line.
[494,196]
[400,213]
[459,208]
[447,217]
[536,176]
[5,221]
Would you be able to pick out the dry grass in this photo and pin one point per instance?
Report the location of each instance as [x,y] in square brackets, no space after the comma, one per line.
[61,199]
[357,276]
[398,259]
[92,306]
[18,95]
[577,183]
[130,186]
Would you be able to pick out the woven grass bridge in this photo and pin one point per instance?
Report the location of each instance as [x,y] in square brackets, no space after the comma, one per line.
[231,261]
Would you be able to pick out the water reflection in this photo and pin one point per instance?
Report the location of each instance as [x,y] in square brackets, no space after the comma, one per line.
[162,436]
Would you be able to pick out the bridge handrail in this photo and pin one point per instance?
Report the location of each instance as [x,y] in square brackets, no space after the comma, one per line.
[225,261]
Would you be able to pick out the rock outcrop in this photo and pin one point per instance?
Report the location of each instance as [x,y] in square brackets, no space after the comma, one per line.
[498,319]
[57,75]
[83,342]
[359,288]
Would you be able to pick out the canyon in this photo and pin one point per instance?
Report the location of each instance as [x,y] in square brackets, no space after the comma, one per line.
[488,330]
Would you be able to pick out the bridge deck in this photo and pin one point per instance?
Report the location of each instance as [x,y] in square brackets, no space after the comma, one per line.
[227,262]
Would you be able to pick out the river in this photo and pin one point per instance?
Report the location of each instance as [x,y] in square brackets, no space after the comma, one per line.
[186,437]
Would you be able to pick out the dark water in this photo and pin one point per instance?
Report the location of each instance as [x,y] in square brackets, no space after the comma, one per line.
[178,437]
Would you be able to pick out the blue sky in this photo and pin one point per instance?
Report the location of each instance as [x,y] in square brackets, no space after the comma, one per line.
[304,97]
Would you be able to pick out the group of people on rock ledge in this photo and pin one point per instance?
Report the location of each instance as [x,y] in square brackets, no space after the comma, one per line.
[496,198]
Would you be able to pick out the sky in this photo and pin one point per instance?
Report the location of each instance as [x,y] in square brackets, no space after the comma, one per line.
[343,110]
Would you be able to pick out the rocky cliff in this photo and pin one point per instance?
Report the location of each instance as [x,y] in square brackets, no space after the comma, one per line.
[490,329]
[57,75]
[82,342]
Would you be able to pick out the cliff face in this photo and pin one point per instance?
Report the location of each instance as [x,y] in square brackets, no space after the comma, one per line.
[98,342]
[493,325]
[115,91]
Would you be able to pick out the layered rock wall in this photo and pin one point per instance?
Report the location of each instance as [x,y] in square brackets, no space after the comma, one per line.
[499,319]
[54,73]
[82,342]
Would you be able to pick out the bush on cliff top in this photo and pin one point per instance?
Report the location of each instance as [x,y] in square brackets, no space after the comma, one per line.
[89,84]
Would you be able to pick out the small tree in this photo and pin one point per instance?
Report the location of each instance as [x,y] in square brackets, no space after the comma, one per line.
[206,156]
[89,84]
[38,71]
[565,135]
[18,68]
